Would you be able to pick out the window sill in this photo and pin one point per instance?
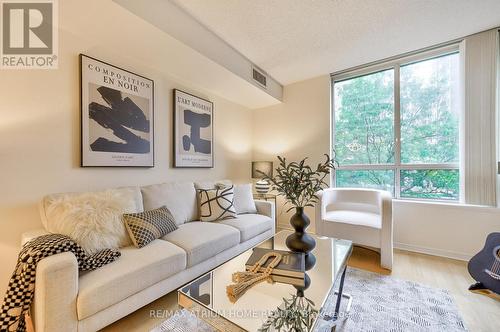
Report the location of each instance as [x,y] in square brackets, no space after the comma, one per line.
[445,204]
[431,201]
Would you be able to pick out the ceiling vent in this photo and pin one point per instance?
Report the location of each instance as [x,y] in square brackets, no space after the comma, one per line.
[259,77]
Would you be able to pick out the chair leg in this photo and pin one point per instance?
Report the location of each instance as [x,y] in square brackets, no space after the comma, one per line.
[386,258]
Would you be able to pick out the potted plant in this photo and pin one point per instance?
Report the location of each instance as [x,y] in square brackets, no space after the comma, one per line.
[298,183]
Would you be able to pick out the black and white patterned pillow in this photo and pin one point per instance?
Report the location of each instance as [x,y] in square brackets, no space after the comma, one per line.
[216,204]
[148,226]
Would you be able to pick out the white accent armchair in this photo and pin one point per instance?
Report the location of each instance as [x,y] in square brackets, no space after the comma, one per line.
[363,216]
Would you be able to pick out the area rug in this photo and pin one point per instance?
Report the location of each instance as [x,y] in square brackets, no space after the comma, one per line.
[384,303]
[380,303]
[183,321]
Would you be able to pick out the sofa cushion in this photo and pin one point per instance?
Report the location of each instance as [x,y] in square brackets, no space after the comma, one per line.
[243,199]
[212,184]
[149,225]
[216,204]
[202,240]
[178,197]
[134,271]
[249,225]
[354,217]
[92,219]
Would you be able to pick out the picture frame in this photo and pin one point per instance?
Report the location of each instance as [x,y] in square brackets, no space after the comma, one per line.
[193,131]
[117,116]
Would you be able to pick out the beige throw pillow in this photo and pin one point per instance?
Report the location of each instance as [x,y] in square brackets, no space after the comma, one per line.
[178,197]
[243,199]
[148,226]
[216,204]
[212,184]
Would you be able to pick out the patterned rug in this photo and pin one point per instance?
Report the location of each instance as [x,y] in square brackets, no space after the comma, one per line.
[183,321]
[380,303]
[383,303]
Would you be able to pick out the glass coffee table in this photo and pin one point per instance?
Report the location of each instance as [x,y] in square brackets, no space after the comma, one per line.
[207,298]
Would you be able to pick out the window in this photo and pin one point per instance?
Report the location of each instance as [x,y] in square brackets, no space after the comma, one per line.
[397,128]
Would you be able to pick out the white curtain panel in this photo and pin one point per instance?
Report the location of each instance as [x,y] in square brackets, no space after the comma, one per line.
[480,65]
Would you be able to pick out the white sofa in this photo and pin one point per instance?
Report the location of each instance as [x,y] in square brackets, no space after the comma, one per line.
[66,300]
[363,216]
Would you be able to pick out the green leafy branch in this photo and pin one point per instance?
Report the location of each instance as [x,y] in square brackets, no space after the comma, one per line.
[299,182]
[297,315]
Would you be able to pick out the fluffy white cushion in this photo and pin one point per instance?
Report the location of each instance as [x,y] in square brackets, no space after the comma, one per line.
[243,199]
[93,219]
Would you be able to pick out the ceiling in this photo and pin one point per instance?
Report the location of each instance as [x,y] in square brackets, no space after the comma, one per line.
[298,39]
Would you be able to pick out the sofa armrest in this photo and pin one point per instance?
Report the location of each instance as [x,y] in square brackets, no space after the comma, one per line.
[30,235]
[266,208]
[325,198]
[56,290]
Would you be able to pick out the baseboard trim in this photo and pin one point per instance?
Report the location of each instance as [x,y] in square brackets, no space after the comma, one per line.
[432,251]
[413,248]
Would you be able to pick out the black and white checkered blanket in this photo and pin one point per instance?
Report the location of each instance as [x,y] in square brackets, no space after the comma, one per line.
[21,288]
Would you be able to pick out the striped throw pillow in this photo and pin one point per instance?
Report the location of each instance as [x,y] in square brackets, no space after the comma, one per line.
[148,226]
[216,204]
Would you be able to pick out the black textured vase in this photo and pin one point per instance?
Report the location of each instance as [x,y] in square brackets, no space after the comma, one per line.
[300,241]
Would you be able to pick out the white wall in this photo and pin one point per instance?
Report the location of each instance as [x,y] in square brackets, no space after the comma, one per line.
[40,120]
[300,127]
[456,231]
[297,128]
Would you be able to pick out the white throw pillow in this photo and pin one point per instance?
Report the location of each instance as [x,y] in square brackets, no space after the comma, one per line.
[178,197]
[243,199]
[216,204]
[93,219]
[212,184]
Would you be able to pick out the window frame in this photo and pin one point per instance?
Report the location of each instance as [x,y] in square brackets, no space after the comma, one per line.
[395,64]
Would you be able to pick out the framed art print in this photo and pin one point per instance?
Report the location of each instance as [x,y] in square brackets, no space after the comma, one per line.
[193,131]
[117,116]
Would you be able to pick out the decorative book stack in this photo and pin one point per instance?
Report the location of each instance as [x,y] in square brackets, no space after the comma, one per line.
[290,270]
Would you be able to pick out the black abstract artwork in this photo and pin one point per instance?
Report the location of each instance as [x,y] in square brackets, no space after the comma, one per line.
[117,112]
[196,121]
[119,115]
[193,131]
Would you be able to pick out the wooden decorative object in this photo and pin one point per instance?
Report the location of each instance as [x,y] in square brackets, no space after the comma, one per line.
[245,280]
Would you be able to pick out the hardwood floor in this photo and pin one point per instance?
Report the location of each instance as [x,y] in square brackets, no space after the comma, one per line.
[481,314]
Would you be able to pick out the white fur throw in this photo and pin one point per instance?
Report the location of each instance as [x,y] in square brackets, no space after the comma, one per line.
[94,219]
